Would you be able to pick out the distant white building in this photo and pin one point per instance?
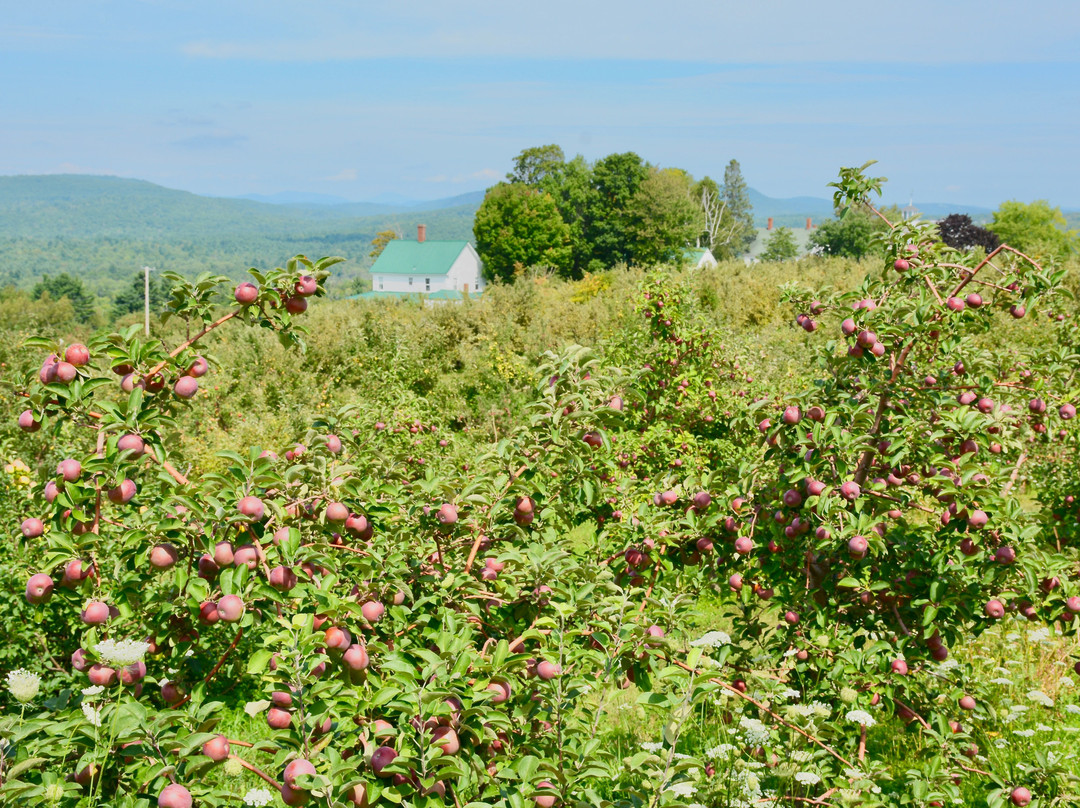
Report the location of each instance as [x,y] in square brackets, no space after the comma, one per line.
[440,270]
[699,257]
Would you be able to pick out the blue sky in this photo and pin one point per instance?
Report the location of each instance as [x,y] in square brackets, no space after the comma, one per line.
[959,101]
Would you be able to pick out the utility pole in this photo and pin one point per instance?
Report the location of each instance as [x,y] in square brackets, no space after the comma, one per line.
[146,298]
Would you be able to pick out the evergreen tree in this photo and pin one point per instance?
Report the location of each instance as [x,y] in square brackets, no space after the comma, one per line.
[131,299]
[738,211]
[58,287]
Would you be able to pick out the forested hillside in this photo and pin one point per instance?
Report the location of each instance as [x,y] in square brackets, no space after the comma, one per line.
[104,229]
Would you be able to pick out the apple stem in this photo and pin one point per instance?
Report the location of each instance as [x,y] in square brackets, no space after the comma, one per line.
[256,770]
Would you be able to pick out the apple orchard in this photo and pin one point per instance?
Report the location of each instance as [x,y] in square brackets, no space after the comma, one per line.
[409,629]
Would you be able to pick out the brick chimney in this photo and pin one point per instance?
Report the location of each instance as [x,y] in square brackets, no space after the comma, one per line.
[769,225]
[421,233]
[809,224]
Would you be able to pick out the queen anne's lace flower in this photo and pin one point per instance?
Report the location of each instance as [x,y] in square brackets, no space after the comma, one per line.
[861,717]
[24,685]
[258,797]
[93,690]
[1039,697]
[121,653]
[651,746]
[712,639]
[719,752]
[754,732]
[1073,709]
[93,715]
[807,778]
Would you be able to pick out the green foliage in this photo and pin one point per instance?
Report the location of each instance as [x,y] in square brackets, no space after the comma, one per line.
[738,220]
[518,227]
[71,289]
[539,166]
[616,576]
[1035,228]
[780,246]
[615,180]
[664,218]
[378,244]
[851,236]
[133,298]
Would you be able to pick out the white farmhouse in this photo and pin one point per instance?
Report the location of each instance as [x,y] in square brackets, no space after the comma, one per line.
[439,270]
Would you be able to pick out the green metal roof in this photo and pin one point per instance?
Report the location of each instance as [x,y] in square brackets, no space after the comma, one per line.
[418,257]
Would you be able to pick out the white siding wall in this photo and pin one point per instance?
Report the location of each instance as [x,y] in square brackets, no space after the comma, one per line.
[464,270]
[400,283]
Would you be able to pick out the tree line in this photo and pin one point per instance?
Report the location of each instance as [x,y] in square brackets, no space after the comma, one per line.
[574,216]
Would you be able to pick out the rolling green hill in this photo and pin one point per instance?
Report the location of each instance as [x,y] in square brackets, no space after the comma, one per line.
[105,229]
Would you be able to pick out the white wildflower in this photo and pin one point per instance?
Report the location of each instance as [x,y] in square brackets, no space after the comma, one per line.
[1001,680]
[1039,634]
[121,653]
[820,709]
[93,690]
[712,639]
[789,695]
[849,695]
[1043,728]
[1074,709]
[1039,697]
[755,733]
[650,746]
[679,756]
[861,717]
[854,774]
[93,715]
[802,756]
[720,752]
[1066,682]
[681,789]
[1024,733]
[948,665]
[258,797]
[24,686]
[807,778]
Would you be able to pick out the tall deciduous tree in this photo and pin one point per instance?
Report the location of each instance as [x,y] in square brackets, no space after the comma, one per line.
[780,246]
[1035,228]
[537,165]
[664,218]
[616,178]
[518,227]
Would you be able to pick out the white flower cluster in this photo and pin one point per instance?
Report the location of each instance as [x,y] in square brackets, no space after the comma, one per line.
[650,746]
[93,690]
[861,717]
[712,639]
[789,695]
[948,665]
[93,714]
[755,733]
[721,752]
[1039,634]
[24,685]
[1001,680]
[1072,709]
[1039,697]
[1024,733]
[258,797]
[1066,682]
[807,778]
[121,653]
